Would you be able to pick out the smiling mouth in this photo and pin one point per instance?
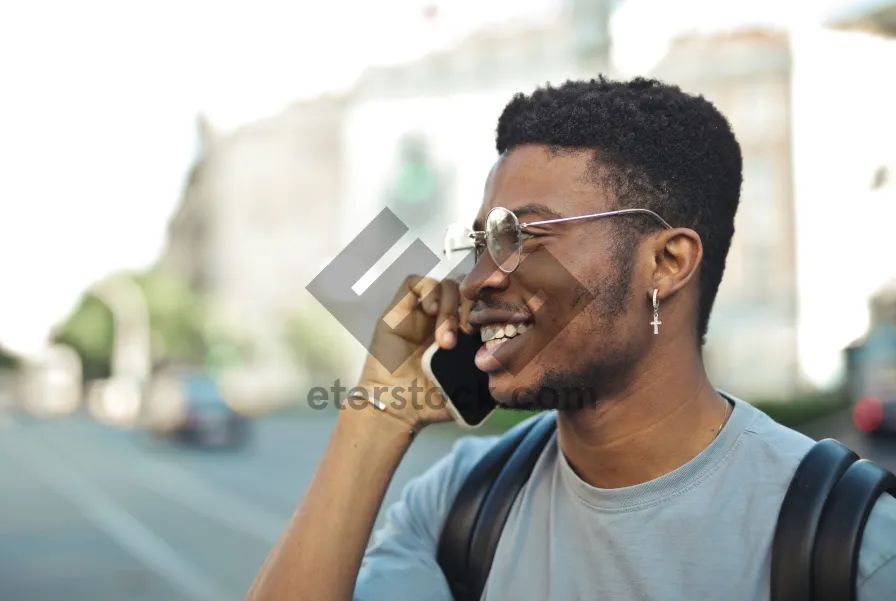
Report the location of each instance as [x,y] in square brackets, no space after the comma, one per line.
[497,334]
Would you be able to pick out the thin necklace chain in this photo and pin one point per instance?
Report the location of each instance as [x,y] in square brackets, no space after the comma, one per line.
[724,419]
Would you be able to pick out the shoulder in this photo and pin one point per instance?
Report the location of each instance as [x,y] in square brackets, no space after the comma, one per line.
[781,449]
[438,486]
[424,502]
[400,562]
[771,444]
[436,489]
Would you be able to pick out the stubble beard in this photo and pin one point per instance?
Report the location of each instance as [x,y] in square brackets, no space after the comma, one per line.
[605,370]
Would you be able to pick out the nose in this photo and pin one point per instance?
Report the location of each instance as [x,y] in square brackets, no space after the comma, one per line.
[484,274]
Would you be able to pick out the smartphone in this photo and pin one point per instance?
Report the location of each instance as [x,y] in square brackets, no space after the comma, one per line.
[463,385]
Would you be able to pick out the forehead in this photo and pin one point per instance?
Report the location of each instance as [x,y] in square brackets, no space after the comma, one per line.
[563,183]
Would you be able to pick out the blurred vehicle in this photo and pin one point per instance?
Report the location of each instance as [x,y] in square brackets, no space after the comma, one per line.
[189,406]
[875,415]
[871,379]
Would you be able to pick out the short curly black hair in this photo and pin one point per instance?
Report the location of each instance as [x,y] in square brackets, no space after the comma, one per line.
[654,146]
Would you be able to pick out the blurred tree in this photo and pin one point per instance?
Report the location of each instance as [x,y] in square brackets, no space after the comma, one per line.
[8,360]
[225,332]
[90,331]
[310,337]
[176,315]
[881,178]
[176,318]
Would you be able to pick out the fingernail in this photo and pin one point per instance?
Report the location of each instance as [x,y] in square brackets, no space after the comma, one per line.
[448,337]
[433,306]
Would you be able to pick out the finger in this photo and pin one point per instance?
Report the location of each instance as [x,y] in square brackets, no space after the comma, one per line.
[466,307]
[446,320]
[406,300]
[428,292]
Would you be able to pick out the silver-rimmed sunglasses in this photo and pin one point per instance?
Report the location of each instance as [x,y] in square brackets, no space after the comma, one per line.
[504,235]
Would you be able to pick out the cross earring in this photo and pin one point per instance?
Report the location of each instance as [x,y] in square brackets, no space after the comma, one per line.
[656,314]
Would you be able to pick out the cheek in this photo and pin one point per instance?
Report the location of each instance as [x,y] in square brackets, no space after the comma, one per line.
[567,324]
[581,337]
[571,346]
[588,339]
[592,331]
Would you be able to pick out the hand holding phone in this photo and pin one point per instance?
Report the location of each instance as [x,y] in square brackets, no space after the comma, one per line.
[421,307]
[463,386]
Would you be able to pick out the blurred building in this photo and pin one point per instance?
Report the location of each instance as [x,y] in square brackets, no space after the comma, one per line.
[752,346]
[875,17]
[443,110]
[261,204]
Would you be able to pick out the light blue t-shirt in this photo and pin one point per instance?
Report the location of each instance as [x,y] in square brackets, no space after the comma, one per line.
[703,531]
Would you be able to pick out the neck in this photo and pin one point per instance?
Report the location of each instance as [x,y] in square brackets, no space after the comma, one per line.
[657,424]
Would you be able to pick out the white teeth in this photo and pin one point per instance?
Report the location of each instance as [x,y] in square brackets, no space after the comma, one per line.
[503,332]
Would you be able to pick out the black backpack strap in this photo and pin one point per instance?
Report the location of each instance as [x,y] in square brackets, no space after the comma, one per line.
[842,526]
[500,500]
[801,510]
[457,531]
[461,525]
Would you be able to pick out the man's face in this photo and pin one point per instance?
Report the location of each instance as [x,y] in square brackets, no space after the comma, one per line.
[572,292]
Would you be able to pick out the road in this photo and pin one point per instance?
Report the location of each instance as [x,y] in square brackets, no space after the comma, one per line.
[91,513]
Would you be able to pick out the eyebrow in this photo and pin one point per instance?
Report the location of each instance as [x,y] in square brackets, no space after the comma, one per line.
[538,209]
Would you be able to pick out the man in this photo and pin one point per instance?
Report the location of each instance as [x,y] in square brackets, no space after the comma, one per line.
[656,487]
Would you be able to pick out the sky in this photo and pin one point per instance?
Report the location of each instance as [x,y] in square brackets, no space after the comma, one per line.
[100,101]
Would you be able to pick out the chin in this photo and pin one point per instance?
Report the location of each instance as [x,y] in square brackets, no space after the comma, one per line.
[502,387]
[543,389]
[515,391]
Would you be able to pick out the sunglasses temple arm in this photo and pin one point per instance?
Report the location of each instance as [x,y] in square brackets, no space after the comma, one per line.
[596,215]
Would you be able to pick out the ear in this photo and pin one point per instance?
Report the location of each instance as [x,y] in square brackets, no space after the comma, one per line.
[677,255]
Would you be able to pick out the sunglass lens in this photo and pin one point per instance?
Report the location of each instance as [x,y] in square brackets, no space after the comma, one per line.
[503,238]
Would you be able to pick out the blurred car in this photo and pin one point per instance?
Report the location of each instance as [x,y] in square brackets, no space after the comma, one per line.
[875,415]
[871,377]
[190,407]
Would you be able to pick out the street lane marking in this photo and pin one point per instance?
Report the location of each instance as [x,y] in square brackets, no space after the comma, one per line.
[113,519]
[192,492]
[206,499]
[189,490]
